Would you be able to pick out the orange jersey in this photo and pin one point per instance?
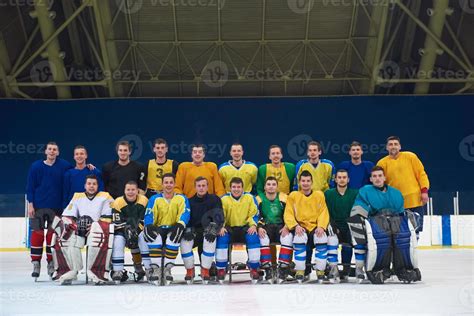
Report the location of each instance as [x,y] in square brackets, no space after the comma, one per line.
[188,172]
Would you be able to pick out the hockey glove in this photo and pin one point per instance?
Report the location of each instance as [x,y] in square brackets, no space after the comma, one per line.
[188,234]
[210,232]
[150,232]
[83,225]
[176,232]
[131,237]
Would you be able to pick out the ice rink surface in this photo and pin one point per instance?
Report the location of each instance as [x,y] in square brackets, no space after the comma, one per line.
[447,289]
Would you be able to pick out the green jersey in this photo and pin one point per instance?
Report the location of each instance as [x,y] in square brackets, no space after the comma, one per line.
[340,206]
[271,212]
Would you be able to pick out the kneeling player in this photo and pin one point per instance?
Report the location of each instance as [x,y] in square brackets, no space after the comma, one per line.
[128,213]
[166,217]
[206,220]
[271,205]
[306,218]
[241,216]
[87,216]
[382,230]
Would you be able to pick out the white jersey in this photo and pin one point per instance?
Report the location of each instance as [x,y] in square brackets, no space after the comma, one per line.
[81,205]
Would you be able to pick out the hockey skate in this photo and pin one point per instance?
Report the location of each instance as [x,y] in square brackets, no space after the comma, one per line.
[359,273]
[139,272]
[299,276]
[320,276]
[333,275]
[344,275]
[36,270]
[283,272]
[378,277]
[167,274]
[408,276]
[51,269]
[155,274]
[269,275]
[117,276]
[189,278]
[254,275]
[221,275]
[205,275]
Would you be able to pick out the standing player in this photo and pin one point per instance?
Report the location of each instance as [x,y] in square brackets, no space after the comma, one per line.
[116,173]
[358,170]
[158,167]
[322,170]
[241,217]
[44,192]
[284,172]
[405,172]
[237,167]
[75,178]
[306,219]
[189,171]
[339,202]
[88,215]
[128,212]
[166,217]
[271,206]
[207,218]
[382,231]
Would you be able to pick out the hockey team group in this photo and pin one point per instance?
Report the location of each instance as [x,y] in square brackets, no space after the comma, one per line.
[312,210]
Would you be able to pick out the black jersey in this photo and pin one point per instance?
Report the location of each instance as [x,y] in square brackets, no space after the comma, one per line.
[204,210]
[115,176]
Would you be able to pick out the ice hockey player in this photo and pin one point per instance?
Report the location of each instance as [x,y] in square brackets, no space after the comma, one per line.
[166,217]
[241,217]
[339,202]
[271,206]
[306,220]
[87,216]
[128,212]
[207,218]
[383,233]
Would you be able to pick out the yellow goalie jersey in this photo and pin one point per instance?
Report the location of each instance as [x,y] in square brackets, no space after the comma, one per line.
[240,212]
[81,205]
[247,172]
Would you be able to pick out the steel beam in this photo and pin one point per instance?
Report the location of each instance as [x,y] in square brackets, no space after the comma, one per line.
[5,67]
[53,49]
[431,48]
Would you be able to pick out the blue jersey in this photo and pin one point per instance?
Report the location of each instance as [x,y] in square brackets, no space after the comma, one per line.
[44,186]
[74,180]
[359,175]
[371,200]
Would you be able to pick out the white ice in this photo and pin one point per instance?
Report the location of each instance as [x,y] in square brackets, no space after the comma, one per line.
[447,288]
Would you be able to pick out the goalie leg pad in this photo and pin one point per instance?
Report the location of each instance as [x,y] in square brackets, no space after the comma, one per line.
[118,255]
[379,243]
[253,250]
[71,249]
[299,247]
[99,244]
[404,250]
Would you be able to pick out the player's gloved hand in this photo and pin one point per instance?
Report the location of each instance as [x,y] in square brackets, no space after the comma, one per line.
[176,232]
[83,225]
[131,236]
[210,232]
[150,232]
[188,234]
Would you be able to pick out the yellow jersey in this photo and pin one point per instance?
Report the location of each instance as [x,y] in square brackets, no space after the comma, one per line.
[323,174]
[247,172]
[307,211]
[155,172]
[163,212]
[240,212]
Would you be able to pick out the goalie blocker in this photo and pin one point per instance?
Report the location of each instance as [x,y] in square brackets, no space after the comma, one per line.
[68,240]
[387,243]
